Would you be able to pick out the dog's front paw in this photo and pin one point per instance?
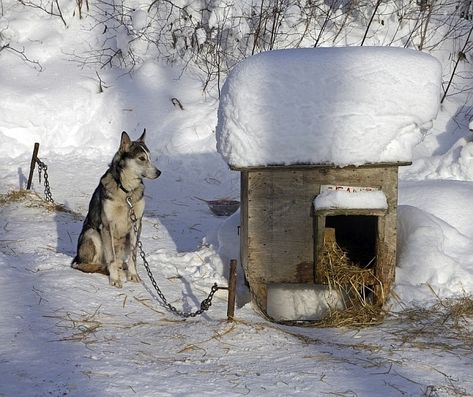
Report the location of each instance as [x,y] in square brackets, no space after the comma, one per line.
[134,277]
[116,282]
[117,274]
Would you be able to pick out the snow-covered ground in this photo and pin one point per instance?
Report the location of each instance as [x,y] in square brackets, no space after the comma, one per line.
[63,332]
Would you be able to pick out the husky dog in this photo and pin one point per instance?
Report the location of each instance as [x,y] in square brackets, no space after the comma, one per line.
[108,239]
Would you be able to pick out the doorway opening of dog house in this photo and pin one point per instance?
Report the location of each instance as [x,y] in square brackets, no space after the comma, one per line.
[346,253]
[356,235]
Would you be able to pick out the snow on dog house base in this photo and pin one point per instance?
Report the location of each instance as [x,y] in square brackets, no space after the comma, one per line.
[303,124]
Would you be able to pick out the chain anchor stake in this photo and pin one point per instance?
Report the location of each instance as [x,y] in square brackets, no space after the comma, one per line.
[41,168]
[32,165]
[207,302]
[232,279]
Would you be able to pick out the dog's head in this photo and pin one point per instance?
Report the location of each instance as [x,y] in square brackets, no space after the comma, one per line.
[137,157]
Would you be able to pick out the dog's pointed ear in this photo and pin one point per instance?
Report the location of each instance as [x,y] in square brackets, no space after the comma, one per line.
[125,142]
[142,137]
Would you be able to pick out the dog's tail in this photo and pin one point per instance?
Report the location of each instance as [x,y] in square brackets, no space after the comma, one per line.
[89,267]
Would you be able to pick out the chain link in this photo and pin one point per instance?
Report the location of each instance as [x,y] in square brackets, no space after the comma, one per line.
[204,305]
[47,189]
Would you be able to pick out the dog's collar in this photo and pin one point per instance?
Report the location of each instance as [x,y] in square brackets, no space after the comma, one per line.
[123,189]
[121,186]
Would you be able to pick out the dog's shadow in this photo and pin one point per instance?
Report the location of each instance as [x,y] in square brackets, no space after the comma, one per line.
[68,227]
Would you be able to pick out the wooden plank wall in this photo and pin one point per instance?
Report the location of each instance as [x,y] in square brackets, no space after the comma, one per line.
[277,223]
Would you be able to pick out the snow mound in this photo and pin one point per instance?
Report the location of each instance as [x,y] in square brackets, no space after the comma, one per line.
[341,106]
[432,256]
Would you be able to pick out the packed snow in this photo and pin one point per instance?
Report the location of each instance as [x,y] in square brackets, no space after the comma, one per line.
[66,333]
[342,106]
[330,199]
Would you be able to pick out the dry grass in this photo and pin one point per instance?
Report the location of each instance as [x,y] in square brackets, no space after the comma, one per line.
[446,325]
[14,196]
[356,285]
[34,200]
[460,309]
[335,269]
[83,326]
[454,311]
[354,316]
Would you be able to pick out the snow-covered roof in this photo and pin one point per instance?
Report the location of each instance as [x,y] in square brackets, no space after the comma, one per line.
[340,106]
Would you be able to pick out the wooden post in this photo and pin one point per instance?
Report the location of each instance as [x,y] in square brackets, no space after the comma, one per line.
[33,164]
[232,290]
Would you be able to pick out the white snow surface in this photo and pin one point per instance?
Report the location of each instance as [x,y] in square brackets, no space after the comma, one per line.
[341,106]
[329,199]
[66,333]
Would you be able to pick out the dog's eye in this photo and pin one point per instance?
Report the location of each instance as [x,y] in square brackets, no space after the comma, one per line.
[142,158]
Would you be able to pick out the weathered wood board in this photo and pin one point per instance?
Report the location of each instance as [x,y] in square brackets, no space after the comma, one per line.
[280,231]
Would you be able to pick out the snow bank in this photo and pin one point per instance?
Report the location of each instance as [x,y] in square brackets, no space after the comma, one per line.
[447,200]
[432,256]
[435,241]
[81,111]
[342,106]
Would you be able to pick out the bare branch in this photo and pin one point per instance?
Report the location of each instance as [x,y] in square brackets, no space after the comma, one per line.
[460,57]
[21,53]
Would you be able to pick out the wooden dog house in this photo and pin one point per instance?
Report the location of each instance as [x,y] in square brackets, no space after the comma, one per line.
[282,233]
[302,124]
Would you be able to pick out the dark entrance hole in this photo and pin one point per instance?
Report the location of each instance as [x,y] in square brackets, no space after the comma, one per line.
[356,234]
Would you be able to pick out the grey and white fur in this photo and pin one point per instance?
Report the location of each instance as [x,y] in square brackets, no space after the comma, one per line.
[107,243]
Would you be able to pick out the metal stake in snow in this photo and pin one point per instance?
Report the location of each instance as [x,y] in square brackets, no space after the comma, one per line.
[207,302]
[41,168]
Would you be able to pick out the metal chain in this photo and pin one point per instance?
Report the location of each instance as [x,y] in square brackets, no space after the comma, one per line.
[204,305]
[47,189]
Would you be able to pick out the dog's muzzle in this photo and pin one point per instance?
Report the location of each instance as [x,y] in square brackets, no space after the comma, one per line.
[153,174]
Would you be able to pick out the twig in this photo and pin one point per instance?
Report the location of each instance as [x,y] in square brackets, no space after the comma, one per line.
[460,57]
[378,3]
[22,55]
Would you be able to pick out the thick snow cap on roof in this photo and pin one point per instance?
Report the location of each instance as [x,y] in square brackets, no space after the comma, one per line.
[340,106]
